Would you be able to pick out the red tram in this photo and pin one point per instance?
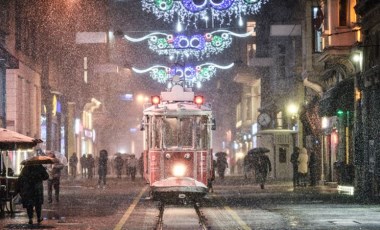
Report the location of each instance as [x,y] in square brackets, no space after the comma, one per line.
[177,146]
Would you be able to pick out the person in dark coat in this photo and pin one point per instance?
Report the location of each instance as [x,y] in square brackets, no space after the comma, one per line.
[102,169]
[141,164]
[73,162]
[262,168]
[54,181]
[90,166]
[31,189]
[83,165]
[313,168]
[221,164]
[119,162]
[294,161]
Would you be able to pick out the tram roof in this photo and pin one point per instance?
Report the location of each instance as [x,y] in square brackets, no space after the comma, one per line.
[178,108]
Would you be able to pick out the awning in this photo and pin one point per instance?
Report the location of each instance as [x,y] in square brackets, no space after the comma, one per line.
[339,97]
[11,62]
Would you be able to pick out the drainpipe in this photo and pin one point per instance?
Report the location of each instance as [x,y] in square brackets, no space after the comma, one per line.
[3,93]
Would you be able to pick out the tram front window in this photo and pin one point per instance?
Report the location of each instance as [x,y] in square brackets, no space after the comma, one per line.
[171,132]
[186,137]
[178,132]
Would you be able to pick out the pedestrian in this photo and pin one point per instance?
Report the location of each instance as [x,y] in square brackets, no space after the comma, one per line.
[313,168]
[31,189]
[90,166]
[73,161]
[141,164]
[262,167]
[303,159]
[294,161]
[132,164]
[248,164]
[119,165]
[127,173]
[211,177]
[54,171]
[102,168]
[83,165]
[221,164]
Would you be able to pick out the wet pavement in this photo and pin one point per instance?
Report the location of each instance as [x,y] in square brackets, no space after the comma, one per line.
[236,203]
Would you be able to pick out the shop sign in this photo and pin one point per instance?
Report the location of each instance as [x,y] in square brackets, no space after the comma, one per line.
[88,133]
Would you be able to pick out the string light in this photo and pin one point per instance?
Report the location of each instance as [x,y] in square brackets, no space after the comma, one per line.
[189,11]
[189,74]
[182,46]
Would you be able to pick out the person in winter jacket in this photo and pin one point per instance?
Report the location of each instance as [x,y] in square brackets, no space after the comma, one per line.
[262,167]
[221,164]
[119,162]
[54,171]
[132,164]
[73,161]
[102,168]
[90,166]
[31,189]
[294,161]
[303,160]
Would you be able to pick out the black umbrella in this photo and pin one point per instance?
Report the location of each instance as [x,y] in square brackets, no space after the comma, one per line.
[221,154]
[258,150]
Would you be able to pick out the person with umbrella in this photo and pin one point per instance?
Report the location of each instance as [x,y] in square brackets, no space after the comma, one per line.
[30,187]
[262,166]
[221,163]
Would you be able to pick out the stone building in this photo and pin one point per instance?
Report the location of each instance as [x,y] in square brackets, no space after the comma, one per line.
[367,106]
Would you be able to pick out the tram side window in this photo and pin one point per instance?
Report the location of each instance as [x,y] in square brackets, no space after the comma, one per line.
[186,132]
[156,132]
[171,132]
[202,132]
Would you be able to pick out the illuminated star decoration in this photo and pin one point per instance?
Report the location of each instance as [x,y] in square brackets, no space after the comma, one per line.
[186,11]
[182,46]
[189,74]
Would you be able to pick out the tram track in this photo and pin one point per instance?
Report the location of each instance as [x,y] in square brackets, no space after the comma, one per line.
[202,220]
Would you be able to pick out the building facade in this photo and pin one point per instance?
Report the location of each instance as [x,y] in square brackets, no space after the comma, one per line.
[367,106]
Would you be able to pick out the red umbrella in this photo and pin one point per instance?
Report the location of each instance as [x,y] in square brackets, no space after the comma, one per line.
[11,140]
[39,160]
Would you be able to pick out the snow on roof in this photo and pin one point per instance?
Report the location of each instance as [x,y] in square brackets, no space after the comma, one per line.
[177,93]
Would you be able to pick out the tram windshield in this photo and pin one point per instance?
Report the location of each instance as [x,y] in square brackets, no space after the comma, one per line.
[180,132]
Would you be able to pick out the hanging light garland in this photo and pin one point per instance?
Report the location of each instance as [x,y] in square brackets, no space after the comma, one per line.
[181,46]
[187,11]
[188,74]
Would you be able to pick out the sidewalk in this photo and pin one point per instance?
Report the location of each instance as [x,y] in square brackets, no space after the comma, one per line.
[273,185]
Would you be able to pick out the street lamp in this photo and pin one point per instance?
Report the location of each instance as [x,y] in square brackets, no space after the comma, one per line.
[292,109]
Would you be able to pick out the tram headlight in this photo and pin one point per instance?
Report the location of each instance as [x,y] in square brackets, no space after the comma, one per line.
[179,170]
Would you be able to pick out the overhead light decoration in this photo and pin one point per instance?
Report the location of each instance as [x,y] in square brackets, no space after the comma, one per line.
[197,45]
[187,11]
[188,74]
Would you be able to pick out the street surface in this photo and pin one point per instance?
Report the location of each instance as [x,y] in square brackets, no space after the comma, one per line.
[235,204]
